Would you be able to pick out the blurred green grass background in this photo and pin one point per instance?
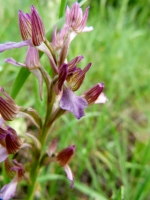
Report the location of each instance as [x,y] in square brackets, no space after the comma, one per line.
[112,159]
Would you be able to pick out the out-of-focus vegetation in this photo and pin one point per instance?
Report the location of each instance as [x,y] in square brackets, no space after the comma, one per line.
[112,159]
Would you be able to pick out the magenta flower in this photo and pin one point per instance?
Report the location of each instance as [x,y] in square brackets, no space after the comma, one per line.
[70,79]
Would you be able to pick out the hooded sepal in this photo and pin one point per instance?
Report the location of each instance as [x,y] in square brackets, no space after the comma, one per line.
[25,25]
[65,155]
[12,141]
[73,103]
[95,94]
[8,108]
[38,31]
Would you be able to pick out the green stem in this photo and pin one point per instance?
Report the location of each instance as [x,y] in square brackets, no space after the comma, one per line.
[33,177]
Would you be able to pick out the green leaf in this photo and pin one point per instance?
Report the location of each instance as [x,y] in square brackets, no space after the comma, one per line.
[119,195]
[62,8]
[19,81]
[89,191]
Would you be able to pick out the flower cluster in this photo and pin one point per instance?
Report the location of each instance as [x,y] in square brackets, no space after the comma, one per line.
[65,80]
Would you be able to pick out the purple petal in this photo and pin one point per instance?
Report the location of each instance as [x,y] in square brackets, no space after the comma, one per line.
[14,62]
[32,58]
[11,45]
[73,103]
[69,175]
[8,191]
[3,153]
